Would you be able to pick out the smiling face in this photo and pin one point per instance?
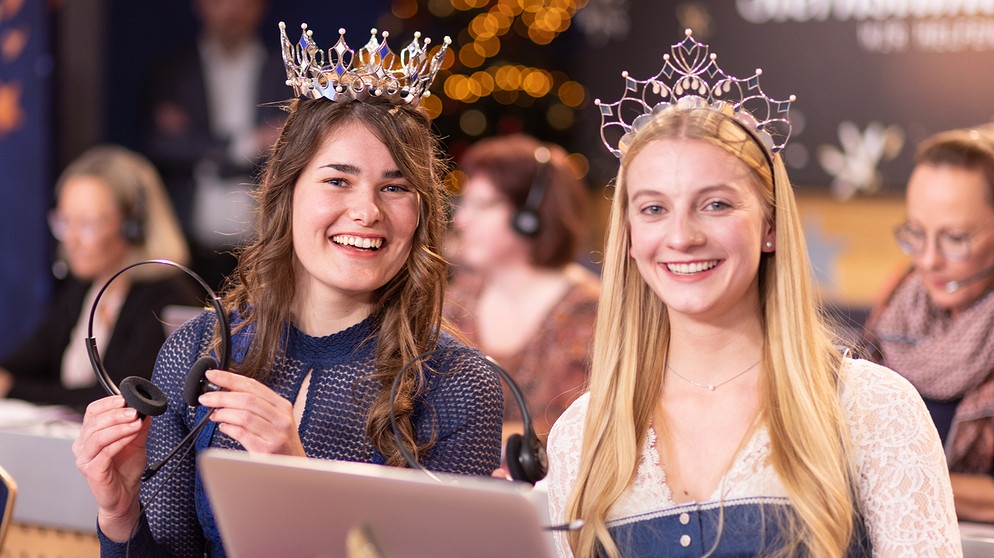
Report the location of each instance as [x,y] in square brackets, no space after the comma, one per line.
[697,228]
[354,218]
[952,201]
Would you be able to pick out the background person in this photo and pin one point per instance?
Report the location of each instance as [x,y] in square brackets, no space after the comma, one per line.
[210,120]
[517,292]
[340,290]
[936,325]
[111,211]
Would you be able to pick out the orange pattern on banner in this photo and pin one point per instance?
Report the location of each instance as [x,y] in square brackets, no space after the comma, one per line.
[12,43]
[11,113]
[9,8]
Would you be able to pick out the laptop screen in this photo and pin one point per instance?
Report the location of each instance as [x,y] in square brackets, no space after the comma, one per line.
[268,505]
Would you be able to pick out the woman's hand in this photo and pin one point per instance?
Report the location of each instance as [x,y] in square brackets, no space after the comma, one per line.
[110,453]
[252,414]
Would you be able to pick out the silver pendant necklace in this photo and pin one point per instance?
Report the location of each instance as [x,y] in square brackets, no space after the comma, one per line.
[712,387]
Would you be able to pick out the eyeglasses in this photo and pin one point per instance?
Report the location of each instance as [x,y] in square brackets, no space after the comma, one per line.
[87,230]
[953,246]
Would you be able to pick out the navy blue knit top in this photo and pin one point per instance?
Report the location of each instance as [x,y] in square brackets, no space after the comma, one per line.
[462,407]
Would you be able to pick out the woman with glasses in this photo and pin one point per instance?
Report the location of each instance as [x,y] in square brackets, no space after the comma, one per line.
[111,210]
[936,326]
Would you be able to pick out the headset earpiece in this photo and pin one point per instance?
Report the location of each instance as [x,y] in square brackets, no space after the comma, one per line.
[526,220]
[525,454]
[143,396]
[526,458]
[197,383]
[133,229]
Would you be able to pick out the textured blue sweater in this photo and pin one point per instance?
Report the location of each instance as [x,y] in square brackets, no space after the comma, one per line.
[462,407]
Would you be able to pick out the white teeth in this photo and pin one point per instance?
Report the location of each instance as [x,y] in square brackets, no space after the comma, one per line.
[689,268]
[358,241]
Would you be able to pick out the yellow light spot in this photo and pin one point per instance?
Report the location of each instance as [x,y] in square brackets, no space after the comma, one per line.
[579,164]
[440,8]
[508,8]
[432,105]
[455,87]
[404,9]
[536,82]
[470,56]
[572,94]
[489,47]
[539,36]
[560,116]
[473,122]
[531,5]
[486,82]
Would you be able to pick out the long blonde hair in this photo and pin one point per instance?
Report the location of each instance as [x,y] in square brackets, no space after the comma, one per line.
[809,440]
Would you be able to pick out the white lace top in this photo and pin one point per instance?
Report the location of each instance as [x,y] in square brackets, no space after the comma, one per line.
[903,484]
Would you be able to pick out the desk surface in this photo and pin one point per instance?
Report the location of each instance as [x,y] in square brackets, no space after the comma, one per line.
[36,449]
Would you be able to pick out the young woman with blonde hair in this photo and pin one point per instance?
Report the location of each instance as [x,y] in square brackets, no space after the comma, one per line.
[721,420]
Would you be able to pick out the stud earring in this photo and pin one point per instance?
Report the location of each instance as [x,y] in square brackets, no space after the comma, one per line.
[769,244]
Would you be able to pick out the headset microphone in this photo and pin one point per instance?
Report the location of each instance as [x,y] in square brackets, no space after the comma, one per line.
[954,286]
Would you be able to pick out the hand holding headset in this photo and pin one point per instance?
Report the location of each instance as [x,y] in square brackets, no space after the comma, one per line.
[140,393]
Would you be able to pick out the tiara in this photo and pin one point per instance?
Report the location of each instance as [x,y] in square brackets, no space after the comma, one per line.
[690,78]
[373,70]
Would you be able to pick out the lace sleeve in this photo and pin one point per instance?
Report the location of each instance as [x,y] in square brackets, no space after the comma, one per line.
[902,480]
[563,449]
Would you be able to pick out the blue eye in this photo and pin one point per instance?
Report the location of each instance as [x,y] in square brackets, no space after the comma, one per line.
[717,205]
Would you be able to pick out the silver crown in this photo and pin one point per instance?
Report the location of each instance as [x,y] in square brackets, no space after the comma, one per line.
[373,70]
[690,78]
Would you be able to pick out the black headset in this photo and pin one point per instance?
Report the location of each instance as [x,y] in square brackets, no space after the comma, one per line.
[133,228]
[140,393]
[526,220]
[524,453]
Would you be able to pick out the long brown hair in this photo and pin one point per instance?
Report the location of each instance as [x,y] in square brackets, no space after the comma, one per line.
[407,310]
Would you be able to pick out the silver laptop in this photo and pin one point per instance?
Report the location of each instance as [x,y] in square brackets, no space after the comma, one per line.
[268,505]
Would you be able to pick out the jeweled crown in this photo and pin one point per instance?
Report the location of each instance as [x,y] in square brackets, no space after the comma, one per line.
[691,78]
[373,70]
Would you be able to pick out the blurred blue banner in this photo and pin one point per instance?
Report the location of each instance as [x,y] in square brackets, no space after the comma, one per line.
[25,159]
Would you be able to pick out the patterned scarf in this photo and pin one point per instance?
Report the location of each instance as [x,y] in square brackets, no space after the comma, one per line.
[945,359]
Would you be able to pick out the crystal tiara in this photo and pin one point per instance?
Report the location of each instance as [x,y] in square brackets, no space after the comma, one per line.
[690,78]
[373,70]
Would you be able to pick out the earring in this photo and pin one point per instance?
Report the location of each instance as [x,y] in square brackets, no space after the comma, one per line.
[769,244]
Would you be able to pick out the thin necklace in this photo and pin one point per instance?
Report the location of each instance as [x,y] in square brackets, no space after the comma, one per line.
[712,387]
